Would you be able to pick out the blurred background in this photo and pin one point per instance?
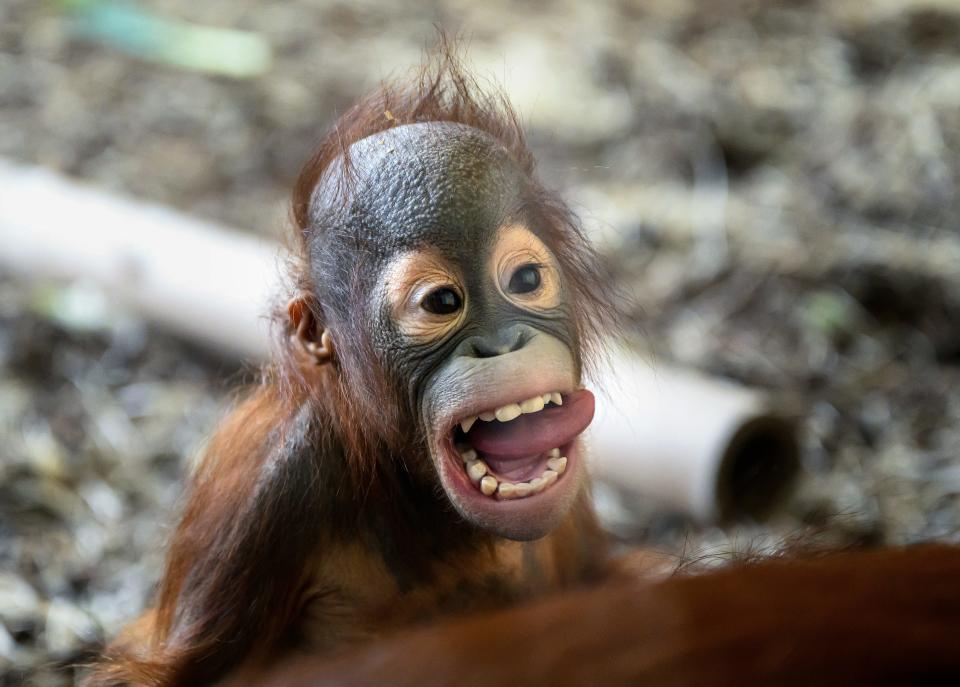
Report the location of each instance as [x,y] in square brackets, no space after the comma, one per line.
[774,183]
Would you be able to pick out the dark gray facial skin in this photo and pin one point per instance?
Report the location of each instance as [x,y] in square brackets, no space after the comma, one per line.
[443,185]
[447,187]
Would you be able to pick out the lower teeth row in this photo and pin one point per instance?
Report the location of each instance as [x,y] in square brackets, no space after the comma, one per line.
[478,471]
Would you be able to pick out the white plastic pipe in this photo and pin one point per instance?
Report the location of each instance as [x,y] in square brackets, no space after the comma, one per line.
[696,445]
[701,446]
[204,280]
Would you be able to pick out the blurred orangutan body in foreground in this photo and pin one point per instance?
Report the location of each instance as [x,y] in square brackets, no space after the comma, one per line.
[856,618]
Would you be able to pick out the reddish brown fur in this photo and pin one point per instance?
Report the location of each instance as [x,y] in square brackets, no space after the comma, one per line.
[258,522]
[859,618]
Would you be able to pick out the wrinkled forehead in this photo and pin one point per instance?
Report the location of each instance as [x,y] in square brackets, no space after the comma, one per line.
[438,183]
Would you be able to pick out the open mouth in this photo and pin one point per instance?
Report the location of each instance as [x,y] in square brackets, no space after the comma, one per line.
[522,449]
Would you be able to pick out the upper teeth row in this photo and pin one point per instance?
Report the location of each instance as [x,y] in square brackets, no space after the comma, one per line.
[512,411]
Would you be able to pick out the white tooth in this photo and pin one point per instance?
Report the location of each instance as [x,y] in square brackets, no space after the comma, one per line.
[465,425]
[557,464]
[532,405]
[554,453]
[488,416]
[506,490]
[549,477]
[488,485]
[508,412]
[523,489]
[476,469]
[537,484]
[546,399]
[556,398]
[468,455]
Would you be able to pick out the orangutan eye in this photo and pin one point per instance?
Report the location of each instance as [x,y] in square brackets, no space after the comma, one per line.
[525,280]
[442,301]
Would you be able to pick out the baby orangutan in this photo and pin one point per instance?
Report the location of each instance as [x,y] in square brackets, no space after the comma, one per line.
[414,451]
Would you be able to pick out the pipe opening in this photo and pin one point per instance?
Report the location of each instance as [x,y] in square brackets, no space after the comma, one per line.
[758,470]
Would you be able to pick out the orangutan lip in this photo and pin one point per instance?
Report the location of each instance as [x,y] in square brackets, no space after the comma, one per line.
[526,452]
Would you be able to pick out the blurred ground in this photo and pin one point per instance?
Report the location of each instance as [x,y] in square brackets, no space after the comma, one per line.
[774,182]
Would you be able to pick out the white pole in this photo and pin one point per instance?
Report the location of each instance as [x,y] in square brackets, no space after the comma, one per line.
[204,280]
[708,448]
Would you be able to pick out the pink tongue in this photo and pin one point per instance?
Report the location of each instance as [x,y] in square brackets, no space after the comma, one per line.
[529,435]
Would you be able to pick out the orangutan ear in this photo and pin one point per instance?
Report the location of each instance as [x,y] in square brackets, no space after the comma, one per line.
[309,337]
